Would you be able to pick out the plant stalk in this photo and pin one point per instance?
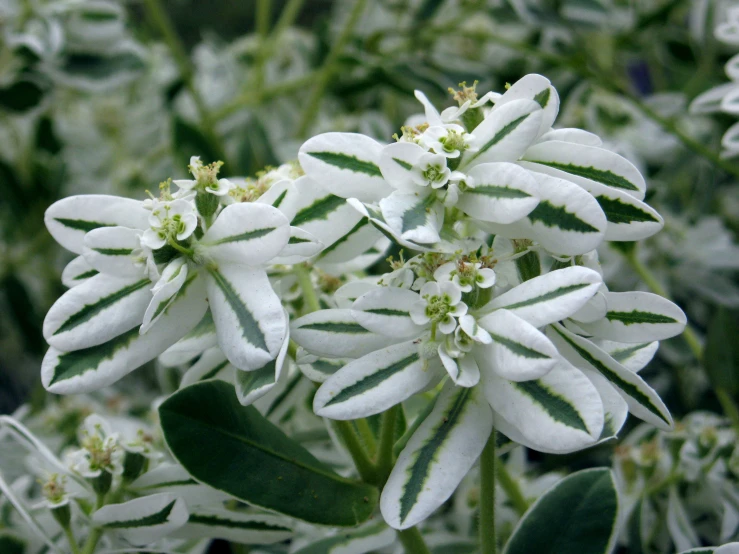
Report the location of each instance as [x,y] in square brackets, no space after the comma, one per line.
[412,541]
[302,272]
[488,539]
[354,446]
[512,489]
[387,441]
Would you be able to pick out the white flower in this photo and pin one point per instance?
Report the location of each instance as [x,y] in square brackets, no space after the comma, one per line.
[170,220]
[55,492]
[206,178]
[100,449]
[431,169]
[449,141]
[466,275]
[440,304]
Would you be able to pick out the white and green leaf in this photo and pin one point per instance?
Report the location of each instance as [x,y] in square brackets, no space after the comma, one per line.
[236,527]
[375,382]
[212,364]
[638,317]
[112,250]
[345,164]
[386,311]
[252,385]
[143,520]
[550,297]
[202,337]
[633,357]
[77,272]
[415,217]
[643,401]
[437,457]
[174,479]
[96,311]
[368,538]
[540,90]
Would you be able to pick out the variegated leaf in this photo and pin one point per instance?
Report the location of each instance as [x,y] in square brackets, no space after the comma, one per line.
[99,366]
[437,457]
[638,317]
[143,520]
[236,527]
[69,219]
[643,401]
[368,538]
[540,90]
[202,337]
[413,216]
[632,356]
[77,272]
[386,311]
[96,311]
[375,382]
[345,164]
[252,385]
[212,364]
[550,297]
[112,250]
[172,478]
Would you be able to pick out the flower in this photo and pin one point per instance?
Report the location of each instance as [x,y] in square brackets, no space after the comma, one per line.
[100,452]
[440,304]
[206,178]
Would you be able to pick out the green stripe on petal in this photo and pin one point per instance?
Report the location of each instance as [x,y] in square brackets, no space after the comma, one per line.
[403,164]
[86,275]
[372,380]
[417,215]
[558,408]
[542,98]
[598,175]
[387,311]
[344,161]
[360,224]
[500,135]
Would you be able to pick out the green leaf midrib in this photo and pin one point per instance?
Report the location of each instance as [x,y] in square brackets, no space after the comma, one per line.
[387,312]
[341,240]
[602,176]
[556,293]
[628,388]
[247,235]
[626,353]
[157,518]
[113,251]
[637,316]
[320,209]
[558,408]
[91,310]
[497,191]
[350,163]
[418,471]
[417,215]
[620,212]
[500,135]
[518,348]
[82,224]
[557,216]
[335,327]
[373,379]
[250,329]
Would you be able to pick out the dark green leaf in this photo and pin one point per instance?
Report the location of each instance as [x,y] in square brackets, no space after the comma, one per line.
[721,353]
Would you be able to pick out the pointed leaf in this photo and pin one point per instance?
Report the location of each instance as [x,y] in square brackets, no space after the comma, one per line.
[202,337]
[235,527]
[413,216]
[368,538]
[437,457]
[77,272]
[213,364]
[386,310]
[540,90]
[252,385]
[243,454]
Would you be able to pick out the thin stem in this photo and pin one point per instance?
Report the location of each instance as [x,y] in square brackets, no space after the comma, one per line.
[412,541]
[512,489]
[263,11]
[70,538]
[359,456]
[387,441]
[181,249]
[161,21]
[368,437]
[488,539]
[302,273]
[690,336]
[329,67]
[729,406]
[92,540]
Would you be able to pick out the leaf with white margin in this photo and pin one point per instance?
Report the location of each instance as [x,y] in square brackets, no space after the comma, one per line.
[638,317]
[347,293]
[414,217]
[572,135]
[397,161]
[502,193]
[519,351]
[252,385]
[301,246]
[539,89]
[111,250]
[368,538]
[616,409]
[505,133]
[628,217]
[377,220]
[386,311]
[250,322]
[96,311]
[357,262]
[202,337]
[632,356]
[319,369]
[213,364]
[69,219]
[172,278]
[351,244]
[143,520]
[681,530]
[561,411]
[236,527]
[77,272]
[594,309]
[174,479]
[326,216]
[247,233]
[282,195]
[568,220]
[578,514]
[336,334]
[464,370]
[375,382]
[589,163]
[99,366]
[345,164]
[643,401]
[550,297]
[437,457]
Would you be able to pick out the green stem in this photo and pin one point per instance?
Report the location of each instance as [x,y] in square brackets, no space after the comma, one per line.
[387,441]
[488,539]
[729,406]
[512,489]
[92,540]
[690,336]
[354,446]
[329,67]
[72,541]
[368,437]
[263,11]
[181,249]
[412,541]
[302,272]
[161,21]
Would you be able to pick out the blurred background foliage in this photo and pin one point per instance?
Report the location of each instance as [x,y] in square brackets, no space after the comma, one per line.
[115,96]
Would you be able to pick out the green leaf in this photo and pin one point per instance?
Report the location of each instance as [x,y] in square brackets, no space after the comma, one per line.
[366,539]
[721,353]
[10,544]
[21,96]
[241,453]
[577,515]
